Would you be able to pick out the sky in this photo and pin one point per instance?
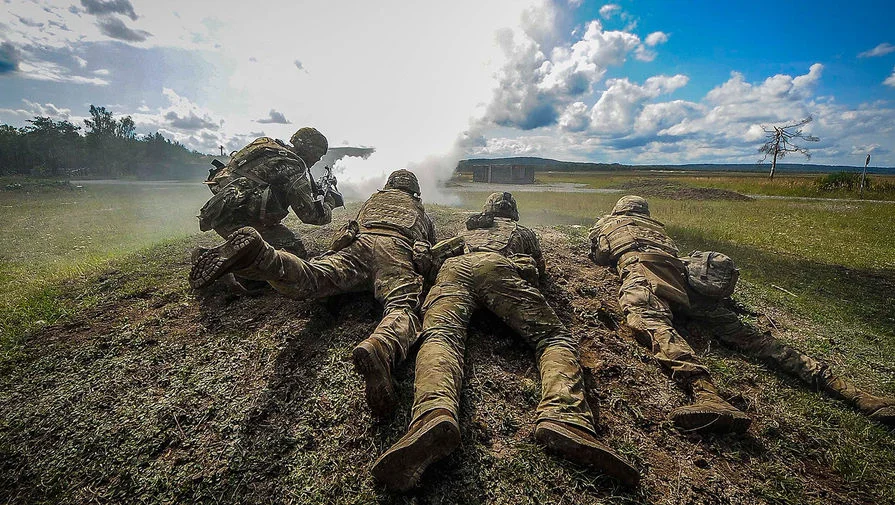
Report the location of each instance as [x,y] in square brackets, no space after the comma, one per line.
[429,83]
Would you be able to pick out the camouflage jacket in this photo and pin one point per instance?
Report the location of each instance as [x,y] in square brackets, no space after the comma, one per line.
[503,236]
[614,235]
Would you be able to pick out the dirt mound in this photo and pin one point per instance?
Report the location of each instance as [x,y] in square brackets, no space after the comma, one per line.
[152,393]
[677,191]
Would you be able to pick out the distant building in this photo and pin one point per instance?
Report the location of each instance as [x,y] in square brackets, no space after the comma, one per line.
[504,174]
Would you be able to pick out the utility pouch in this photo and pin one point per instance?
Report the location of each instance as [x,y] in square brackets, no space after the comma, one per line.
[667,276]
[527,268]
[345,236]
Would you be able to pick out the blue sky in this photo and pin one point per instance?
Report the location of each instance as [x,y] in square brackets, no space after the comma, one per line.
[428,83]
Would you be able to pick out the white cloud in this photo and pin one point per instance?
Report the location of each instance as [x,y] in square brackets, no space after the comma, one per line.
[48,71]
[880,50]
[32,109]
[608,10]
[890,81]
[655,39]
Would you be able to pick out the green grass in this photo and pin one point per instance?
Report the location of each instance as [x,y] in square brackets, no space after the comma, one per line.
[800,185]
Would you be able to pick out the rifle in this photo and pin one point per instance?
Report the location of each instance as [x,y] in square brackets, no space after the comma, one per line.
[325,187]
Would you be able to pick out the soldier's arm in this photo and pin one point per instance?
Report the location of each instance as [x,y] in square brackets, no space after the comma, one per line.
[533,248]
[599,246]
[302,202]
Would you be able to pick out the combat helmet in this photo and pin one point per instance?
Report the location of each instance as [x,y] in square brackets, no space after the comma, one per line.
[404,180]
[310,144]
[502,205]
[631,204]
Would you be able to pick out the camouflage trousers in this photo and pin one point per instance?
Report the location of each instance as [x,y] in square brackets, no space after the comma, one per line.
[712,318]
[383,264]
[278,235]
[650,316]
[491,281]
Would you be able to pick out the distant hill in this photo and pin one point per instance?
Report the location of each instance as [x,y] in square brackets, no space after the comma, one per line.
[545,164]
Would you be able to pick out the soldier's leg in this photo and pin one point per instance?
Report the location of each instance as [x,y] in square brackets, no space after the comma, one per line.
[716,319]
[433,431]
[565,421]
[523,308]
[282,237]
[398,286]
[650,315]
[246,254]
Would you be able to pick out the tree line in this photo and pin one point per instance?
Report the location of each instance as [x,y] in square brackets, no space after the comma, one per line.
[108,147]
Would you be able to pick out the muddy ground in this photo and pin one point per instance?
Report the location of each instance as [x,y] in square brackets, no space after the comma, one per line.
[678,191]
[151,393]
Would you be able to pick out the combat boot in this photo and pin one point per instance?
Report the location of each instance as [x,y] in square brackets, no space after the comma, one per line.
[428,440]
[709,412]
[373,362]
[238,251]
[581,447]
[881,410]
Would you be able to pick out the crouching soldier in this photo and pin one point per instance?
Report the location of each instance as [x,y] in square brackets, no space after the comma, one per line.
[375,252]
[259,185]
[499,272]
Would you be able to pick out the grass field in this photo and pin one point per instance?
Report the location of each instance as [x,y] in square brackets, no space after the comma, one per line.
[798,185]
[235,396]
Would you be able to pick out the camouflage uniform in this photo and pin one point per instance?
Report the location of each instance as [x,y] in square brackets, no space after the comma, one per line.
[651,295]
[379,258]
[259,193]
[498,271]
[653,285]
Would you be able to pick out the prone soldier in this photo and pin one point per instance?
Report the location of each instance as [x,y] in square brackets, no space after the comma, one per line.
[374,252]
[657,285]
[499,271]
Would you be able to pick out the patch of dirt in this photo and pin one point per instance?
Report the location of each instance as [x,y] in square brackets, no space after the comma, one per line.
[156,394]
[677,191]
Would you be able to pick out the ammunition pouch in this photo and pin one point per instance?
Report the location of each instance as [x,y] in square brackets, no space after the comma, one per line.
[527,268]
[345,236]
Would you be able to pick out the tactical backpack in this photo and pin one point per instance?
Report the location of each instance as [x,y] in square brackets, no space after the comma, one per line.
[242,187]
[711,273]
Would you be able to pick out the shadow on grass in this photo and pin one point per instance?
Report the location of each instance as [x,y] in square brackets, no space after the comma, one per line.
[831,295]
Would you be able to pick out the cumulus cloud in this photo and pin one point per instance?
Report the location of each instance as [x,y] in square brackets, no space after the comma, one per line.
[274,117]
[890,81]
[99,8]
[9,58]
[115,28]
[880,50]
[619,105]
[538,83]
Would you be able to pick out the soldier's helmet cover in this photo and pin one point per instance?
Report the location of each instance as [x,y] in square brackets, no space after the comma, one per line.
[404,180]
[310,144]
[631,204]
[502,204]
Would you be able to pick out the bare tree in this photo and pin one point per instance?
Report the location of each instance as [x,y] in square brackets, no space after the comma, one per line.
[780,141]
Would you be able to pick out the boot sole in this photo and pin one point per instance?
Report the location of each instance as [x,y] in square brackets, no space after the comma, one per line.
[569,444]
[379,389]
[401,467]
[716,422]
[884,415]
[212,264]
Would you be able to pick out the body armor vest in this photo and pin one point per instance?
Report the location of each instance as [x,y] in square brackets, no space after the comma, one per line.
[395,210]
[264,161]
[636,233]
[496,238]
